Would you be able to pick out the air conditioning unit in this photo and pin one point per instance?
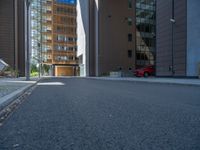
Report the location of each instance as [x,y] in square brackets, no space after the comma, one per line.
[116,74]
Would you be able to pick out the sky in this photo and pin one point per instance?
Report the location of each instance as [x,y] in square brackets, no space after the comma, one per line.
[67,1]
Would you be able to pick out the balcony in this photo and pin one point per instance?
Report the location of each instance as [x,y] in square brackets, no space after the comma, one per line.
[70,44]
[47,3]
[47,52]
[47,13]
[47,22]
[47,43]
[64,53]
[47,32]
[67,62]
[48,61]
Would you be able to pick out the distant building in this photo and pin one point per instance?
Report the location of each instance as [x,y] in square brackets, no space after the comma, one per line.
[59,38]
[178,38]
[115,35]
[12,34]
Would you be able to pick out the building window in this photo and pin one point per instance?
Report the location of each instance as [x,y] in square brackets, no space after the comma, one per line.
[145,33]
[130,21]
[130,37]
[130,4]
[130,54]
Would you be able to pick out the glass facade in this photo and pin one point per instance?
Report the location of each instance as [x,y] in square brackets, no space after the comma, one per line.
[36,31]
[145,32]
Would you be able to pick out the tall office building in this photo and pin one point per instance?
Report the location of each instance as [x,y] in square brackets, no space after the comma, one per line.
[178,36]
[58,36]
[115,35]
[12,34]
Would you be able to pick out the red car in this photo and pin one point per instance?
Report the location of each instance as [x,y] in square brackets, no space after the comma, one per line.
[145,72]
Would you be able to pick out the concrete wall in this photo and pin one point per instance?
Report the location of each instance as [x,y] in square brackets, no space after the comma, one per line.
[96,34]
[83,35]
[180,37]
[7,32]
[21,37]
[87,30]
[94,37]
[108,36]
[193,37]
[12,48]
[164,55]
[113,31]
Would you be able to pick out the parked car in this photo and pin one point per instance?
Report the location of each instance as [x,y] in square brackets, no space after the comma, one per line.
[145,72]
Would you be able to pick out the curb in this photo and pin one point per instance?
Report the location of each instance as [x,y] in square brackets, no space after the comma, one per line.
[8,99]
[145,81]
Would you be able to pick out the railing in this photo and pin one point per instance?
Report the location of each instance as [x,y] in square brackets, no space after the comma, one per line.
[48,61]
[48,2]
[69,62]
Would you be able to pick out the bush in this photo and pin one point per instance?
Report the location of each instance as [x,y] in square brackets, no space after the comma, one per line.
[10,72]
[46,68]
[34,74]
[34,68]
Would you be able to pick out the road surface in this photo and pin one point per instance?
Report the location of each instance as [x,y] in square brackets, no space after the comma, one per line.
[87,114]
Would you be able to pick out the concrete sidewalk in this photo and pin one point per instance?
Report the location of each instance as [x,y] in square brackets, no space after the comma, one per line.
[173,81]
[11,88]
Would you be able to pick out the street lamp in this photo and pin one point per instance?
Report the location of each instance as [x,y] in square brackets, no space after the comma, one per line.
[27,6]
[173,21]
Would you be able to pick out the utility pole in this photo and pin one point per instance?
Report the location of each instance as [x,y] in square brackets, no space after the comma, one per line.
[41,46]
[27,5]
[173,21]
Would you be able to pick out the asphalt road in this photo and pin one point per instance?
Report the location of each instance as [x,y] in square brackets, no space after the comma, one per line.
[86,114]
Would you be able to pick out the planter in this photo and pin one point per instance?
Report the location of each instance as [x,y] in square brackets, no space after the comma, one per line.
[116,74]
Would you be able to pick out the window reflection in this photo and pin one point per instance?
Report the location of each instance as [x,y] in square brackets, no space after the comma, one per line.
[145,33]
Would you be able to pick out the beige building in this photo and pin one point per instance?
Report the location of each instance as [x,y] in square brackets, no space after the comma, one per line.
[59,37]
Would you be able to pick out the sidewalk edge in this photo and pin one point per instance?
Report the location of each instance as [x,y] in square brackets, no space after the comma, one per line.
[140,81]
[8,99]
